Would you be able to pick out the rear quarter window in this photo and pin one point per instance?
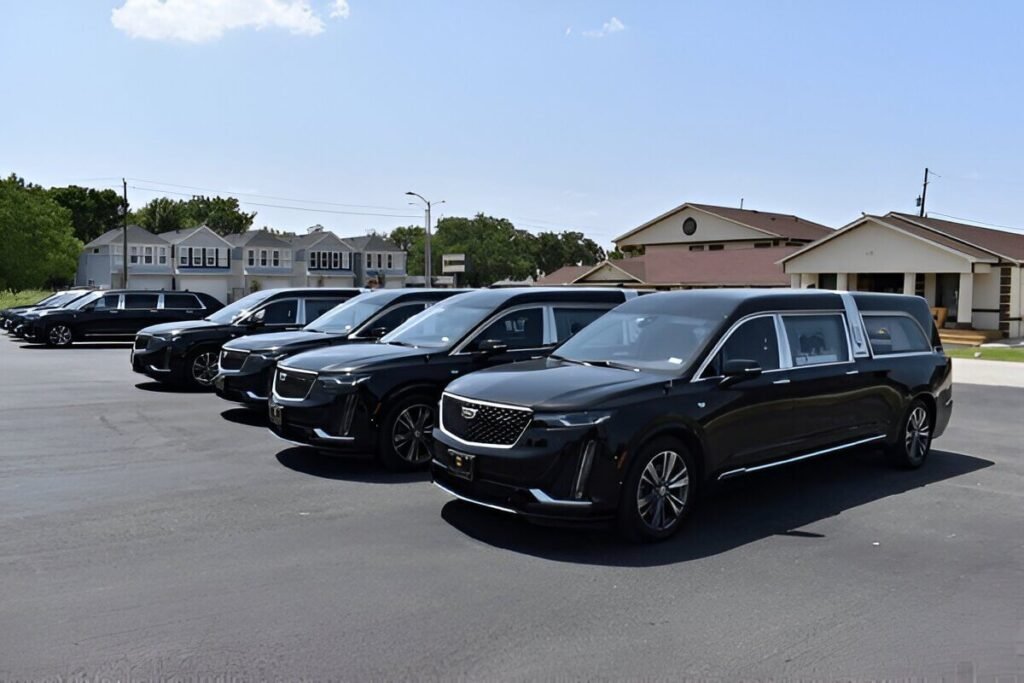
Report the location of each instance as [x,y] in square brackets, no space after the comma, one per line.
[889,334]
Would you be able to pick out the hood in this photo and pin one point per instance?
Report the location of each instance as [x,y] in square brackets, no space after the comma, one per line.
[354,357]
[549,384]
[282,340]
[171,329]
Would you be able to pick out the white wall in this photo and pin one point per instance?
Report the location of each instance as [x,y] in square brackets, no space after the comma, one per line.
[669,230]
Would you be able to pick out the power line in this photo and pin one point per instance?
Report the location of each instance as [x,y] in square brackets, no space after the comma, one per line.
[979,223]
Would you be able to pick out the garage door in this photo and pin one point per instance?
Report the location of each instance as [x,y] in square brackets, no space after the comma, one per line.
[216,286]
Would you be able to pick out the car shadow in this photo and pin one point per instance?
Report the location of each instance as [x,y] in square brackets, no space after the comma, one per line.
[742,511]
[77,345]
[357,468]
[162,388]
[250,417]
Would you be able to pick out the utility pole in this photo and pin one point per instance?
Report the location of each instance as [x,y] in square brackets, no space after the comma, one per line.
[124,245]
[924,194]
[427,265]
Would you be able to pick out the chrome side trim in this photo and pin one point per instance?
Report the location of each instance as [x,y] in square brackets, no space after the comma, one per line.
[757,468]
[858,335]
[474,501]
[321,434]
[440,420]
[545,499]
[156,369]
[256,397]
[294,443]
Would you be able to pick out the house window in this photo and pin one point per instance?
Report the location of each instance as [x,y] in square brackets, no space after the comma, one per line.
[252,257]
[276,257]
[369,260]
[212,256]
[346,260]
[716,247]
[325,259]
[147,255]
[133,255]
[380,261]
[183,255]
[335,260]
[263,257]
[697,247]
[391,261]
[312,260]
[162,255]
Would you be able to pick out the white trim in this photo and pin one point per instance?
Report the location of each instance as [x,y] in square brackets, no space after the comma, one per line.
[611,263]
[813,454]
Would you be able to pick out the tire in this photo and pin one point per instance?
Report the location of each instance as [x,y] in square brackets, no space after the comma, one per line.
[406,433]
[200,368]
[59,335]
[914,441]
[664,475]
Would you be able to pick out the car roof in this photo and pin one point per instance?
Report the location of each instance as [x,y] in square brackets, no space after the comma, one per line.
[511,296]
[387,296]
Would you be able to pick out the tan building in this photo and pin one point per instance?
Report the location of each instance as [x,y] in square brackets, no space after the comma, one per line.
[973,273]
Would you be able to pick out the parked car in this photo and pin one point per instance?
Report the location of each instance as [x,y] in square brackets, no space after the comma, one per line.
[247,364]
[185,352]
[630,418]
[113,315]
[382,398]
[11,317]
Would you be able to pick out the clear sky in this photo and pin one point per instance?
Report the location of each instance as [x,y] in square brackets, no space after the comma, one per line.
[591,114]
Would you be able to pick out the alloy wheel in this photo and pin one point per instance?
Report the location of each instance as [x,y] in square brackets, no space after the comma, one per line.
[918,434]
[411,436]
[60,335]
[662,490]
[204,368]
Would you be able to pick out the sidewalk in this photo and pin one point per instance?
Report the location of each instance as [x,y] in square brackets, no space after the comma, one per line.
[990,372]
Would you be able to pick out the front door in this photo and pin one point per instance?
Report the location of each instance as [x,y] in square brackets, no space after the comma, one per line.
[101,318]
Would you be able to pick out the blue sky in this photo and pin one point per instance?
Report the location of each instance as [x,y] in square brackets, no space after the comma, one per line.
[590,114]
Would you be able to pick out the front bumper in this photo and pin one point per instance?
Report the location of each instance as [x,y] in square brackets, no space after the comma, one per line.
[249,384]
[157,359]
[318,419]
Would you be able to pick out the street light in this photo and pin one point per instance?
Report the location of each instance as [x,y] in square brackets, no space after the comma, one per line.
[426,242]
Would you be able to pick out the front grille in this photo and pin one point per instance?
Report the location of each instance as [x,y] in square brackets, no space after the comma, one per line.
[483,423]
[292,384]
[232,360]
[141,341]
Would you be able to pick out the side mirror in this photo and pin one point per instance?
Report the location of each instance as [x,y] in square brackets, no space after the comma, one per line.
[377,332]
[739,369]
[489,347]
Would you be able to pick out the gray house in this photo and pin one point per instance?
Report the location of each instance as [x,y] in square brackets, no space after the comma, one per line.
[381,262]
[101,263]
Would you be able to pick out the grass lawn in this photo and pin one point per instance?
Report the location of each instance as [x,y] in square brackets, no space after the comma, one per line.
[1010,354]
[29,296]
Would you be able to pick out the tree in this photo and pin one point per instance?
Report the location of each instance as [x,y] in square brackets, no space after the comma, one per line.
[161,215]
[220,214]
[568,248]
[494,249]
[616,255]
[39,244]
[411,239]
[93,212]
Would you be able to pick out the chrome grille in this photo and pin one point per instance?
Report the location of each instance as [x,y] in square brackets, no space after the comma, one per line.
[232,360]
[291,384]
[483,423]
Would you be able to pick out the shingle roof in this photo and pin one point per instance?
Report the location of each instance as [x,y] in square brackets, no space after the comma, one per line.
[1001,242]
[136,234]
[563,276]
[725,268]
[372,243]
[776,224]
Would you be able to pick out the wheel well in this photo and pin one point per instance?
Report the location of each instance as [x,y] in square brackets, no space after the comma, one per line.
[929,402]
[689,440]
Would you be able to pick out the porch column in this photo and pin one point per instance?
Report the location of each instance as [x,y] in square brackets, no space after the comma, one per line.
[808,280]
[794,280]
[930,280]
[965,300]
[909,283]
[842,282]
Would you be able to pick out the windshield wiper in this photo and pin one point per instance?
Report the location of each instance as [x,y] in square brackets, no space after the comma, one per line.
[399,343]
[610,364]
[564,359]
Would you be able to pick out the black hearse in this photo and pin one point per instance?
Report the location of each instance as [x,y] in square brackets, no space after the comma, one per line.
[11,318]
[186,353]
[628,419]
[113,315]
[247,363]
[382,397]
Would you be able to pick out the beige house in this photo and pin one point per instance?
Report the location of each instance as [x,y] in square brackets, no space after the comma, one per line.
[973,273]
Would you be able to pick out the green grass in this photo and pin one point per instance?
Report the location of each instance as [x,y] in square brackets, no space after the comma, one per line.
[29,296]
[1015,355]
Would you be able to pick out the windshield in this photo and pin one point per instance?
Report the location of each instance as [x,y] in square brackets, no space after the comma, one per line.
[346,317]
[641,340]
[438,327]
[60,299]
[232,312]
[76,304]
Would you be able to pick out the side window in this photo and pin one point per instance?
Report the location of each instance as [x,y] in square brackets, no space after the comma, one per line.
[569,321]
[317,307]
[107,302]
[180,301]
[815,339]
[141,301]
[396,316]
[522,329]
[754,340]
[894,334]
[278,313]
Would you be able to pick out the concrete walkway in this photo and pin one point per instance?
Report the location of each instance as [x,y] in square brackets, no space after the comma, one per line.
[990,372]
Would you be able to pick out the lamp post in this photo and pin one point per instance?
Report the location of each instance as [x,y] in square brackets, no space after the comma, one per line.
[427,280]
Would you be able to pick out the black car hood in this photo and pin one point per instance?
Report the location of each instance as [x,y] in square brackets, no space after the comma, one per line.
[177,328]
[275,341]
[355,357]
[550,384]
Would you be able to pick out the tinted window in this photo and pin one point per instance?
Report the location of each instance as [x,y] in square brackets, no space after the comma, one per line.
[816,339]
[278,313]
[107,302]
[141,300]
[180,301]
[754,340]
[894,334]
[569,321]
[317,307]
[396,316]
[522,329]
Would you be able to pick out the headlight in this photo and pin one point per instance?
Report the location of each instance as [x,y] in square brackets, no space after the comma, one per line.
[338,382]
[586,418]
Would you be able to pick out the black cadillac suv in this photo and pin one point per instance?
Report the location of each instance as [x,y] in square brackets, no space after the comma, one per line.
[247,363]
[11,318]
[629,419]
[185,353]
[382,397]
[113,315]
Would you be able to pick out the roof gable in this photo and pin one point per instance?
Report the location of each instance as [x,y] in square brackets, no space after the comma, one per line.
[1000,242]
[760,223]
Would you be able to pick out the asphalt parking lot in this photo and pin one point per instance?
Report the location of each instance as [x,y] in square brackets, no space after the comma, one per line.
[147,533]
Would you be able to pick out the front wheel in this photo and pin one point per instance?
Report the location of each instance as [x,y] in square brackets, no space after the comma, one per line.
[59,335]
[201,367]
[406,435]
[915,439]
[659,492]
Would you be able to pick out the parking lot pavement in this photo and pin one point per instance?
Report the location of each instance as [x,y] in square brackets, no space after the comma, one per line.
[150,533]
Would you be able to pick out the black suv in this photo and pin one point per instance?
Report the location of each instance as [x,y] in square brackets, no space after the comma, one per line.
[247,363]
[382,397]
[186,353]
[628,419]
[11,318]
[113,315]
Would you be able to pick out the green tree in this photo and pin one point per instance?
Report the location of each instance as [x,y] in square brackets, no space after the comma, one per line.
[567,248]
[161,215]
[221,214]
[411,239]
[39,244]
[93,212]
[495,250]
[615,255]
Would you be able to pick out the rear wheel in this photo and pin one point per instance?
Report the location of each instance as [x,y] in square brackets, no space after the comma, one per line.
[59,334]
[201,367]
[406,436]
[915,439]
[659,492]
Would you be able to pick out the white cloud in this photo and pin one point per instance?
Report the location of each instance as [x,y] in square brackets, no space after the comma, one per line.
[568,31]
[613,25]
[198,21]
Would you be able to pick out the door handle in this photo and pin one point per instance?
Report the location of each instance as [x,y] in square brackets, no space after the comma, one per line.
[781,381]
